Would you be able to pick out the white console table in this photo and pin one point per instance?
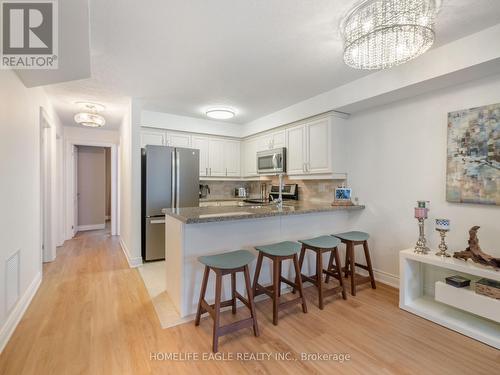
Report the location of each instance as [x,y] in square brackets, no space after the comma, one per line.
[423,292]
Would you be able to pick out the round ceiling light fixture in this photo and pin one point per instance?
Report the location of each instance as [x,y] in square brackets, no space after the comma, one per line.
[90,117]
[380,34]
[220,113]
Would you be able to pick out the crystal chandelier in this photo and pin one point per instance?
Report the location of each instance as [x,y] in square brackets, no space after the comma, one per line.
[379,34]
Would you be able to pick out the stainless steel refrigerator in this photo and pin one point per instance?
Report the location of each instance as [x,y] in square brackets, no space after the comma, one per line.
[170,179]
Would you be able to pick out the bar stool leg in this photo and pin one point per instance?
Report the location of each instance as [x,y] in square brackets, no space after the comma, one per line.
[319,277]
[257,273]
[301,261]
[346,267]
[339,272]
[352,271]
[369,264]
[299,283]
[251,301]
[233,292]
[276,282]
[218,290]
[330,266]
[279,278]
[202,295]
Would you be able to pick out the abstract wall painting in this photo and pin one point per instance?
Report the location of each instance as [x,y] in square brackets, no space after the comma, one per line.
[473,156]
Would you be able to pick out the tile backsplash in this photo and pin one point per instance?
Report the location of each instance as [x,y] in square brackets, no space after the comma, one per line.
[309,190]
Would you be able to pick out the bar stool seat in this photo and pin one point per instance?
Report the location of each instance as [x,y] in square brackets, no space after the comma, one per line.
[322,242]
[277,253]
[351,239]
[224,264]
[233,259]
[321,245]
[353,236]
[280,249]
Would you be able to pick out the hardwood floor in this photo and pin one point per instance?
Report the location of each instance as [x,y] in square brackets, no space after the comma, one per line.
[92,315]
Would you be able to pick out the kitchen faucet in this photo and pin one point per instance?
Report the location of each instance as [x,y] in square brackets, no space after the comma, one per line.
[279,201]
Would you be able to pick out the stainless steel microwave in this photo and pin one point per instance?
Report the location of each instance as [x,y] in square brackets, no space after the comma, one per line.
[271,161]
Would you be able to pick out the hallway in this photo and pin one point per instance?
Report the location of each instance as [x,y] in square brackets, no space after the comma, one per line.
[92,315]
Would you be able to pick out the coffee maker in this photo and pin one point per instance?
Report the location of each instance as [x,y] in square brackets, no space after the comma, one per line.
[204,190]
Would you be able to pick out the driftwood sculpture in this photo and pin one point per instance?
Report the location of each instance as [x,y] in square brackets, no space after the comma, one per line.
[475,253]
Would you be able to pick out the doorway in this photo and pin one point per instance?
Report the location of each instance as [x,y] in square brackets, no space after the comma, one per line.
[93,188]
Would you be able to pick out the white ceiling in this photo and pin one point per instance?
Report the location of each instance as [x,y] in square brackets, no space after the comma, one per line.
[257,56]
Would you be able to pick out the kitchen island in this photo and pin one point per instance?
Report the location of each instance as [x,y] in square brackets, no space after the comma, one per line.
[195,231]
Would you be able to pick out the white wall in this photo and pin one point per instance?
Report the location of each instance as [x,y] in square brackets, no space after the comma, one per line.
[399,157]
[20,190]
[130,184]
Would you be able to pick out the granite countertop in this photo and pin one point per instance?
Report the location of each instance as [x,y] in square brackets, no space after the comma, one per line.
[197,215]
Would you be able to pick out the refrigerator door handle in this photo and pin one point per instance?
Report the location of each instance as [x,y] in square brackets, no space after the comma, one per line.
[174,174]
[177,178]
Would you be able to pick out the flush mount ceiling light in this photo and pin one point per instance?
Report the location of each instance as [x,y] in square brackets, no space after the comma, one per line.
[379,34]
[90,117]
[220,113]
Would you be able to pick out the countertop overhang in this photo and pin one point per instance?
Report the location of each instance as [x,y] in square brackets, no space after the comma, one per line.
[198,215]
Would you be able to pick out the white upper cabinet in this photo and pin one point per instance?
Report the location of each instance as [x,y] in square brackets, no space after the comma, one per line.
[271,140]
[216,159]
[319,150]
[202,144]
[249,157]
[232,158]
[178,139]
[309,151]
[296,151]
[152,137]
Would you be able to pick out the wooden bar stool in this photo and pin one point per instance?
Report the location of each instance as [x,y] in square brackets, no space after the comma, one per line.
[224,264]
[321,245]
[352,239]
[278,253]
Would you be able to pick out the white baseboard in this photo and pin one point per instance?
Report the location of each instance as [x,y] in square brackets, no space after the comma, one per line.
[387,278]
[132,262]
[382,277]
[18,311]
[82,228]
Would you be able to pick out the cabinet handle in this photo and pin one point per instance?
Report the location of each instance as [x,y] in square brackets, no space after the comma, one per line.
[206,171]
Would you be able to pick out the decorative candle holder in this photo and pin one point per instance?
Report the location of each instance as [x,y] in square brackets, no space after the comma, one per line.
[421,212]
[443,226]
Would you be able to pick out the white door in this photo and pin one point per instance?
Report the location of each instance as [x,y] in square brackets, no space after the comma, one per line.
[216,164]
[178,140]
[296,152]
[156,138]
[318,147]
[201,143]
[75,189]
[232,158]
